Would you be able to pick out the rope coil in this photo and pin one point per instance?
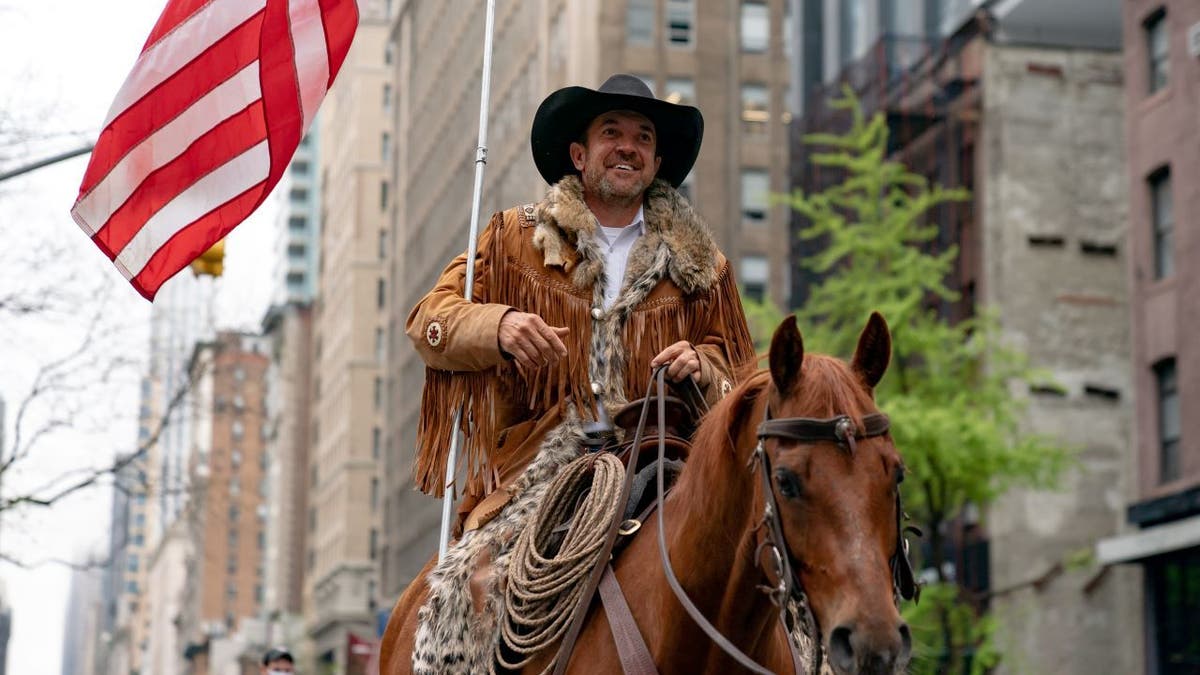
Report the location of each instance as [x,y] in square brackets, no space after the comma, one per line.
[542,592]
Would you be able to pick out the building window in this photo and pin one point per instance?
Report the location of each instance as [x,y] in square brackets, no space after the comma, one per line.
[852,30]
[231,592]
[755,189]
[374,543]
[1163,221]
[305,141]
[298,195]
[301,167]
[1168,420]
[387,97]
[234,514]
[756,30]
[237,429]
[295,279]
[374,493]
[233,539]
[389,53]
[379,344]
[312,519]
[132,587]
[380,294]
[1174,580]
[385,147]
[297,223]
[1158,50]
[680,17]
[376,442]
[378,393]
[133,562]
[680,90]
[296,251]
[383,242]
[231,564]
[639,22]
[383,195]
[755,109]
[754,276]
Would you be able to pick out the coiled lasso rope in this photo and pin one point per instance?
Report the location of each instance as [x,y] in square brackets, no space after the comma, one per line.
[542,593]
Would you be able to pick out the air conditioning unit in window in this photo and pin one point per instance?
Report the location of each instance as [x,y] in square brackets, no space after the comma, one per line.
[1193,40]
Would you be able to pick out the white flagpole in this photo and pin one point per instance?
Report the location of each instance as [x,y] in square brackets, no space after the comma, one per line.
[480,162]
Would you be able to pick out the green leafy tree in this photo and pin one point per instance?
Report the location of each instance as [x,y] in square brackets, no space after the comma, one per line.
[955,415]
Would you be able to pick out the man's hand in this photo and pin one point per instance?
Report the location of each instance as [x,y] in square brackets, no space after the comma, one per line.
[530,340]
[683,359]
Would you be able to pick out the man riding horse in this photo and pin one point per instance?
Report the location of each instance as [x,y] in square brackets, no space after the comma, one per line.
[577,297]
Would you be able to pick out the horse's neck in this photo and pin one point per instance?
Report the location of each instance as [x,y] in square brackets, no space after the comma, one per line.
[710,521]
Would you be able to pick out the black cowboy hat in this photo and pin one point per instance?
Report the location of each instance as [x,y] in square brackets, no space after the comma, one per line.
[562,118]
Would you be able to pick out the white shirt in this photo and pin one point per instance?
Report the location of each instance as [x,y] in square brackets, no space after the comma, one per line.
[615,243]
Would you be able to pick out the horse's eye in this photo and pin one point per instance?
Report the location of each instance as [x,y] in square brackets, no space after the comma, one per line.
[899,475]
[788,483]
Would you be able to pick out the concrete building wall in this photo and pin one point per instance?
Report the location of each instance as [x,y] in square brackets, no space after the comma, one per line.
[166,579]
[348,346]
[83,620]
[540,47]
[1054,202]
[289,330]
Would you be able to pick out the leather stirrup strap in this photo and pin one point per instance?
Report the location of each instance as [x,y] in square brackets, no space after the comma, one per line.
[567,646]
[631,646]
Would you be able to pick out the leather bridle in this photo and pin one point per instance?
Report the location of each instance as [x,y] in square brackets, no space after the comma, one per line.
[840,430]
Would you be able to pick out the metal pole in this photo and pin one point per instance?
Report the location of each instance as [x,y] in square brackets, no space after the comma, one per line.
[46,162]
[480,162]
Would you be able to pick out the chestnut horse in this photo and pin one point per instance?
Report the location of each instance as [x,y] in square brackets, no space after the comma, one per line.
[838,511]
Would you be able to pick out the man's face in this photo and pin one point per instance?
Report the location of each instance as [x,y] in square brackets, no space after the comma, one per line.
[278,666]
[618,161]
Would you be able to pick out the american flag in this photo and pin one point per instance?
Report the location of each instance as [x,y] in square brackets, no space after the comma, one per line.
[205,126]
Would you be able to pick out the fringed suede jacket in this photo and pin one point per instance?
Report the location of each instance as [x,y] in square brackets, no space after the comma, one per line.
[543,259]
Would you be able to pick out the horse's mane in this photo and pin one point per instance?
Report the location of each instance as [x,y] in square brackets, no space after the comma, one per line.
[828,387]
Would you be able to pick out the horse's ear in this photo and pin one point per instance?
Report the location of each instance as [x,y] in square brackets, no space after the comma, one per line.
[874,350]
[787,355]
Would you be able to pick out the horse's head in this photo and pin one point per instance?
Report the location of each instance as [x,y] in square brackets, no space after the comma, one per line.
[837,500]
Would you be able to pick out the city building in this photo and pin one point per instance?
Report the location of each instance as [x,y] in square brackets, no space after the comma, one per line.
[224,527]
[6,619]
[729,59]
[1021,103]
[345,438]
[117,603]
[288,330]
[287,327]
[166,575]
[1161,537]
[297,232]
[85,606]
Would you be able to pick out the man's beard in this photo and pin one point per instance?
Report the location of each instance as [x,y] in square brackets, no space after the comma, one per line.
[595,180]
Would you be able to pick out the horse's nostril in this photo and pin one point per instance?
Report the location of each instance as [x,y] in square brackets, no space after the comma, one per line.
[841,652]
[905,642]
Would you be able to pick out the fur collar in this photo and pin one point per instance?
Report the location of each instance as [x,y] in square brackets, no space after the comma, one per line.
[566,229]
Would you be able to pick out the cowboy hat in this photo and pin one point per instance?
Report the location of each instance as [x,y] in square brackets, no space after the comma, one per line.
[563,117]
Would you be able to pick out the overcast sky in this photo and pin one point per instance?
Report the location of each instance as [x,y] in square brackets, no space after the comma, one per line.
[61,64]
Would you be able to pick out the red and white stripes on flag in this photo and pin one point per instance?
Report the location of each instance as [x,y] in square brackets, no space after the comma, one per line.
[205,126]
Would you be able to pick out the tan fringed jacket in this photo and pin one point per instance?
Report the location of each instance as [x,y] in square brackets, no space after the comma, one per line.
[543,259]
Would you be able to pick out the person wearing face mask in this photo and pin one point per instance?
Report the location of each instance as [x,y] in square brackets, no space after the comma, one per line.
[278,661]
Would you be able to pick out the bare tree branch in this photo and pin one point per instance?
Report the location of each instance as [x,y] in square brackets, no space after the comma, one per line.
[94,477]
